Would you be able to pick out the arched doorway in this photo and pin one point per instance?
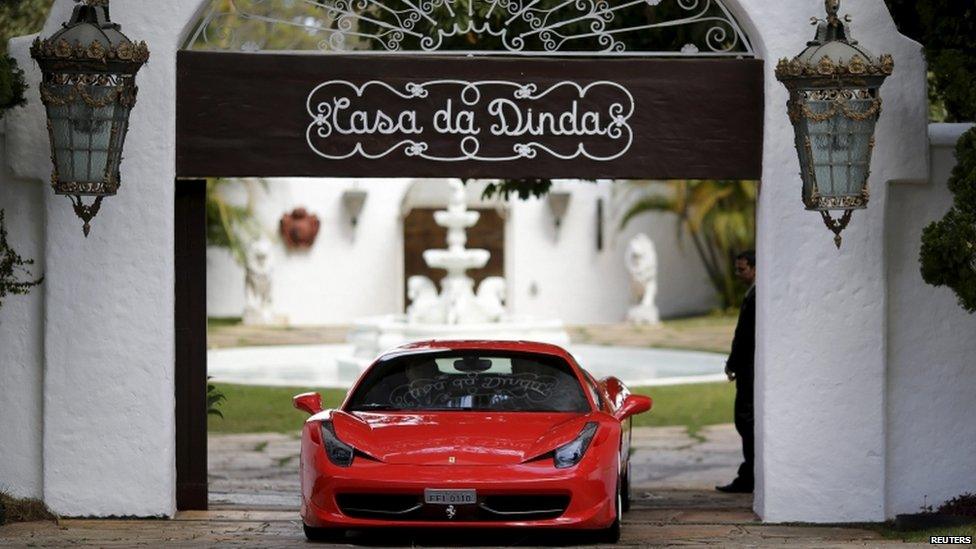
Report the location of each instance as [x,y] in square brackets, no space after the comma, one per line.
[505,89]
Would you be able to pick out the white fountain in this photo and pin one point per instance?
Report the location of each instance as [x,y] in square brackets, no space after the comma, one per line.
[457,312]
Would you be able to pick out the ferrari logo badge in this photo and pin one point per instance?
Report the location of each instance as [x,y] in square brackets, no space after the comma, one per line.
[451,511]
[451,459]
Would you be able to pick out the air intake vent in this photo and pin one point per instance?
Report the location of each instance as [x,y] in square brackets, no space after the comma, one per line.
[388,506]
[525,507]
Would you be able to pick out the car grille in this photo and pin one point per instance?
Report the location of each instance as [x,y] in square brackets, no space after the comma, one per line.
[411,507]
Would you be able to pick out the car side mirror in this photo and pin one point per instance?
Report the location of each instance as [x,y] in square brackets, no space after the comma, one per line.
[633,405]
[616,390]
[309,402]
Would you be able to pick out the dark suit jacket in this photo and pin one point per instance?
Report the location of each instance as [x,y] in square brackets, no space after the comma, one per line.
[742,358]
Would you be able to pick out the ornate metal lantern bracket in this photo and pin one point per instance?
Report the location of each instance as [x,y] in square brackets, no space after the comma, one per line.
[837,225]
[86,212]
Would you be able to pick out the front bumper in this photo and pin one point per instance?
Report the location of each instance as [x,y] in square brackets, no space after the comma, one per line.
[590,488]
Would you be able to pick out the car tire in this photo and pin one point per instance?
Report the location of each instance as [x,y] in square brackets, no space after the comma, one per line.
[611,534]
[625,496]
[323,534]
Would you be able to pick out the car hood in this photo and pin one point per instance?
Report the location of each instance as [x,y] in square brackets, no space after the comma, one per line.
[460,438]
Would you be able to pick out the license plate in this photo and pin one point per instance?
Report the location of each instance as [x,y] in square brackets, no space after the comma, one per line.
[450,497]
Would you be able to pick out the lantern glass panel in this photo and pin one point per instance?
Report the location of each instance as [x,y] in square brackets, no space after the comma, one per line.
[87,122]
[62,128]
[839,125]
[121,126]
[61,132]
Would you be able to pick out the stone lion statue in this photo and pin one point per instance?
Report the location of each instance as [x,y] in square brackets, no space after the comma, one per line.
[641,260]
[257,284]
[424,301]
[491,297]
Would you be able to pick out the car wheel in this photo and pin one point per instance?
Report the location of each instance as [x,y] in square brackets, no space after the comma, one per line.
[625,496]
[612,533]
[323,534]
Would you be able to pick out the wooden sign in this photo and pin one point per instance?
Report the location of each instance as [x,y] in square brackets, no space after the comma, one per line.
[359,115]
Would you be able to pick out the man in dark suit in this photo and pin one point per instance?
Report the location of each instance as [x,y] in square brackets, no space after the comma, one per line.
[739,368]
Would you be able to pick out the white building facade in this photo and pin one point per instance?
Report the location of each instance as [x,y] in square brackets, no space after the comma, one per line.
[864,375]
[352,272]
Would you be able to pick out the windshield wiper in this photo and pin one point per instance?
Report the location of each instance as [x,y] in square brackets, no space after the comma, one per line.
[374,407]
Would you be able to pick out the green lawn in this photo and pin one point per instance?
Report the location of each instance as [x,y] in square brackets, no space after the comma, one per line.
[693,406]
[214,322]
[251,409]
[922,536]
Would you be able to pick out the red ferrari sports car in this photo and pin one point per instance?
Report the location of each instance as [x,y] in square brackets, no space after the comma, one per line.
[470,434]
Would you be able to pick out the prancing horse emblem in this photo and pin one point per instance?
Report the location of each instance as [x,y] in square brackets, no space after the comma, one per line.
[450,511]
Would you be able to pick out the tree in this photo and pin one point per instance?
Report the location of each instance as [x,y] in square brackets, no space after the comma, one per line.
[231,225]
[12,85]
[947,29]
[17,17]
[719,218]
[20,17]
[948,254]
[14,269]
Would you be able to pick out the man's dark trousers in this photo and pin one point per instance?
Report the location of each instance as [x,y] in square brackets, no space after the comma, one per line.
[745,425]
[741,362]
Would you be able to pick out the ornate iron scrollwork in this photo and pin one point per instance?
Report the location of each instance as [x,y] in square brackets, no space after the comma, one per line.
[478,27]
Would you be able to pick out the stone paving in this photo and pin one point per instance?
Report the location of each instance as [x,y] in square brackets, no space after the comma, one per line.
[239,335]
[712,334]
[254,502]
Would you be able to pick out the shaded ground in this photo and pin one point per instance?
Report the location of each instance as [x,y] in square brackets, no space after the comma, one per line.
[643,527]
[705,333]
[254,490]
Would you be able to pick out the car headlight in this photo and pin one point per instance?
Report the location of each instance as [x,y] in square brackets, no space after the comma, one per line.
[571,453]
[339,452]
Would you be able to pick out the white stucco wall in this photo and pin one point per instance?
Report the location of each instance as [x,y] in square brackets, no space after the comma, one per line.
[349,274]
[561,274]
[931,353]
[821,337]
[225,284]
[108,406]
[823,448]
[22,341]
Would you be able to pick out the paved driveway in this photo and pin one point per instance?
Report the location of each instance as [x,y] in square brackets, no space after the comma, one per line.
[254,503]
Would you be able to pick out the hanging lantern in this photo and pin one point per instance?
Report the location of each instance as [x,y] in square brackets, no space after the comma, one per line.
[88,88]
[834,106]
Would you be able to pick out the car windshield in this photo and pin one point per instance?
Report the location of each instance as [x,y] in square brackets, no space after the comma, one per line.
[471,380]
